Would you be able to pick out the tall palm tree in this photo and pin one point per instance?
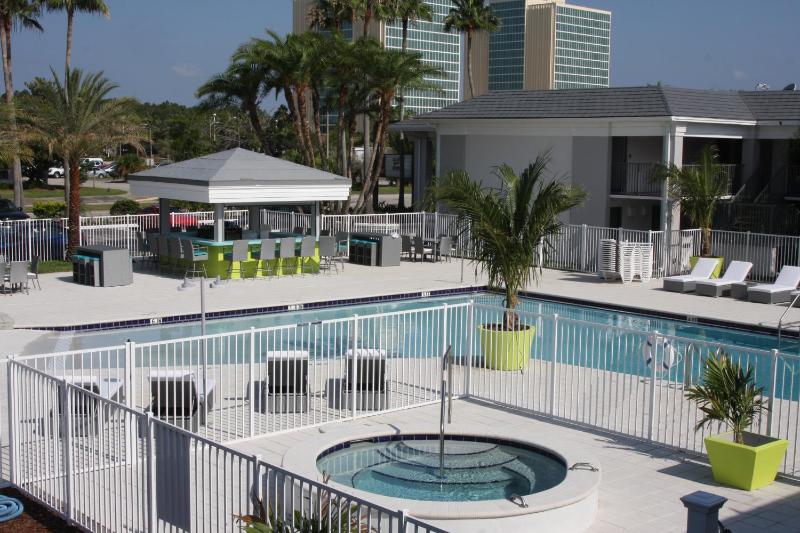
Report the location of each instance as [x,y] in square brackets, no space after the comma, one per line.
[407,11]
[367,11]
[698,189]
[71,7]
[15,13]
[329,14]
[469,17]
[509,224]
[242,84]
[74,118]
[341,69]
[388,71]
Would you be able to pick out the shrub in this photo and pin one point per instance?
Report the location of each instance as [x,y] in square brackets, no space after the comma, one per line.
[49,209]
[125,206]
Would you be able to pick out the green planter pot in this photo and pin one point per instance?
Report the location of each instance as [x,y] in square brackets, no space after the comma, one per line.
[506,350]
[717,270]
[746,466]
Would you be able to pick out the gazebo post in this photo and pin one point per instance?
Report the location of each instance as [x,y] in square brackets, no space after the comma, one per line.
[315,219]
[254,215]
[164,223]
[219,222]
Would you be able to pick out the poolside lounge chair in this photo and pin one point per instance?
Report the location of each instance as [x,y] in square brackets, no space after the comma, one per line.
[177,397]
[736,272]
[778,292]
[367,389]
[286,388]
[85,412]
[702,270]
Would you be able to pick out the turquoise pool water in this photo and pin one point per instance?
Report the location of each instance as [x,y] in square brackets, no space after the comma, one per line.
[474,469]
[601,317]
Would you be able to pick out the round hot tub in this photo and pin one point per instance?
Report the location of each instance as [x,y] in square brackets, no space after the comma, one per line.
[473,469]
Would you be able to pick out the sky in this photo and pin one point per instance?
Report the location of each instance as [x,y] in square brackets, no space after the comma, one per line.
[162,50]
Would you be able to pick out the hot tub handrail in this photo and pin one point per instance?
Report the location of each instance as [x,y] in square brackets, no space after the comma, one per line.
[447,391]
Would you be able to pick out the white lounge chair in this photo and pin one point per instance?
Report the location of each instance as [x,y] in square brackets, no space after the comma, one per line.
[703,269]
[179,398]
[736,272]
[778,292]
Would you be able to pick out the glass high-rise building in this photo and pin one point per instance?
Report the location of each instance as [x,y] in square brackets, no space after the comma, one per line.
[546,44]
[440,49]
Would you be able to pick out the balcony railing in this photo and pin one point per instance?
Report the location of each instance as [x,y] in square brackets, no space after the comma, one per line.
[635,179]
[727,171]
[793,181]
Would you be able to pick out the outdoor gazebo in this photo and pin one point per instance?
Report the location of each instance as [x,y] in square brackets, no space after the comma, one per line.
[239,177]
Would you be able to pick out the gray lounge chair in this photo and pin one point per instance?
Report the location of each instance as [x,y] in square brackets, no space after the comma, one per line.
[178,398]
[702,270]
[367,389]
[736,272]
[778,292]
[286,388]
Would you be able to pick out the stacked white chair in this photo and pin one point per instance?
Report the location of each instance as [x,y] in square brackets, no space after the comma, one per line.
[646,264]
[628,258]
[607,259]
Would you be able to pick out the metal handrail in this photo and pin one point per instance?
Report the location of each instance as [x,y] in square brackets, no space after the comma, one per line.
[447,390]
[780,320]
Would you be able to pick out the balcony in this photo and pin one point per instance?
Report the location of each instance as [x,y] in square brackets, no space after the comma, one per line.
[635,179]
[726,171]
[793,182]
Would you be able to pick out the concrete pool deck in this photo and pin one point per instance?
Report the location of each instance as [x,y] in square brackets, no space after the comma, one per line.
[641,483]
[62,303]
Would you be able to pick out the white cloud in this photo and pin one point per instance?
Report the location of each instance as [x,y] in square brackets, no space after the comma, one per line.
[739,74]
[186,71]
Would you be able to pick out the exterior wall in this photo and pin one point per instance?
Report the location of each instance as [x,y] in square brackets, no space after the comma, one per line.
[480,65]
[452,153]
[300,15]
[636,214]
[591,162]
[540,43]
[582,47]
[645,149]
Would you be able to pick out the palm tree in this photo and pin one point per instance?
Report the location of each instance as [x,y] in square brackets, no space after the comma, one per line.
[366,11]
[341,69]
[71,7]
[329,14]
[243,84]
[729,395]
[698,189]
[75,118]
[10,146]
[388,71]
[509,224]
[15,13]
[469,17]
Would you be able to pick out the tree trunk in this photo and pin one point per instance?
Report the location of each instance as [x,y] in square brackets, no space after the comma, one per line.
[341,148]
[511,305]
[370,189]
[67,65]
[302,110]
[294,114]
[351,140]
[16,166]
[74,217]
[255,121]
[469,65]
[705,244]
[315,109]
[401,195]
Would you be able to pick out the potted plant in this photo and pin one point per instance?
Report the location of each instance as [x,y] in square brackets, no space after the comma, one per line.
[508,225]
[698,189]
[728,395]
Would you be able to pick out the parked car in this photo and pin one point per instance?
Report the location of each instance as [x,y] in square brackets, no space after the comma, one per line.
[55,172]
[104,171]
[92,162]
[9,211]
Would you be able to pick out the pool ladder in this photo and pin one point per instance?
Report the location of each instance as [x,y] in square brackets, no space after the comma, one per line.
[780,320]
[447,391]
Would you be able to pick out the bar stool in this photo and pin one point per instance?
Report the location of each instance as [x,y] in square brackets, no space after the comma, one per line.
[265,257]
[239,254]
[287,248]
[174,254]
[307,246]
[193,255]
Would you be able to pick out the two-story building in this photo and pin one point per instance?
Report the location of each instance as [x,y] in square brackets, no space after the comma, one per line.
[610,141]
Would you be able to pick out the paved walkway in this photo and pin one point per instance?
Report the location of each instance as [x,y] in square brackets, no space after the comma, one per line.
[641,483]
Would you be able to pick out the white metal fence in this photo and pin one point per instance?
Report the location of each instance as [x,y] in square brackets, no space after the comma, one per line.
[107,467]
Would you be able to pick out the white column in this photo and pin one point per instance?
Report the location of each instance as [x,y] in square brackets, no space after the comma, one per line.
[315,220]
[254,216]
[666,159]
[163,216]
[219,222]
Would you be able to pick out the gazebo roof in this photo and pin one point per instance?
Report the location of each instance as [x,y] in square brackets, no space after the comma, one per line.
[240,176]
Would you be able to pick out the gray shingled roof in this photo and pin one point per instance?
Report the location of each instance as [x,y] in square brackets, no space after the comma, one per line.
[613,102]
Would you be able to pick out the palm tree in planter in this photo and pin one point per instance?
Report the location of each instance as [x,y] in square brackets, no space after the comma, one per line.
[698,189]
[729,396]
[507,226]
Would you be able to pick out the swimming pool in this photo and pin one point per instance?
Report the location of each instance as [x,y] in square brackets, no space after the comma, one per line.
[639,322]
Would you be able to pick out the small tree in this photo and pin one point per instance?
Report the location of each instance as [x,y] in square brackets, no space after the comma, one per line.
[728,395]
[698,189]
[125,206]
[128,164]
[508,225]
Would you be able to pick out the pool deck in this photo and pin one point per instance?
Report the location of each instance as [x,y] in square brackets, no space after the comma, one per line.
[641,483]
[63,303]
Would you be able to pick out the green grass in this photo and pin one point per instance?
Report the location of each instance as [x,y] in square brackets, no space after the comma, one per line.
[58,193]
[47,267]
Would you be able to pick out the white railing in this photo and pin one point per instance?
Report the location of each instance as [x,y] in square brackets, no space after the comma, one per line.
[635,179]
[106,467]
